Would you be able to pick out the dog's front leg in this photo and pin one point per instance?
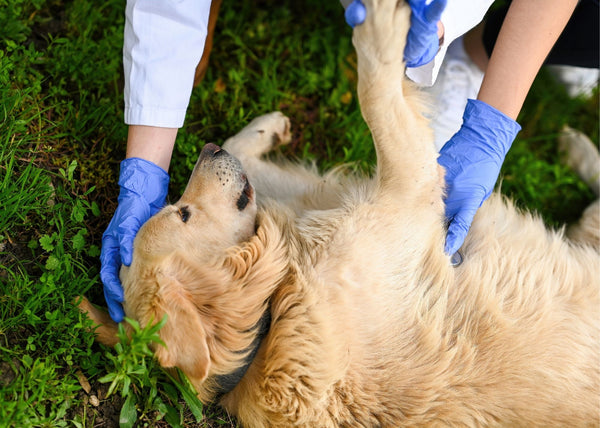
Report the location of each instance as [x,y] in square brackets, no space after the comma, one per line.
[406,158]
[270,179]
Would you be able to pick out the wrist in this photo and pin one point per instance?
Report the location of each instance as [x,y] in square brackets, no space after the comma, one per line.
[143,178]
[489,125]
[151,143]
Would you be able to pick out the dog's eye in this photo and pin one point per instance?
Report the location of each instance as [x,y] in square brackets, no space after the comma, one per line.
[185,214]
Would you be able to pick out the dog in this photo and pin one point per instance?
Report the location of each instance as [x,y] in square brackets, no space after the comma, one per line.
[300,299]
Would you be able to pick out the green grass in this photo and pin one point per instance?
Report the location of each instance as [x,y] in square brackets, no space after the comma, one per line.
[62,137]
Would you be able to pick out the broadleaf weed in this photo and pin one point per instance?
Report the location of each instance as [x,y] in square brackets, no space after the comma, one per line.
[136,375]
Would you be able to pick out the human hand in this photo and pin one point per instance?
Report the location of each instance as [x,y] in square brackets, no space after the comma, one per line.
[144,187]
[472,159]
[422,41]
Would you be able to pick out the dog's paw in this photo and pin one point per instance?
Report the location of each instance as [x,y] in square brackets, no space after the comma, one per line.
[260,136]
[380,39]
[581,154]
[274,126]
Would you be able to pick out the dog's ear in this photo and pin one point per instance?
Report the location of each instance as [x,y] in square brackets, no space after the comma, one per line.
[183,333]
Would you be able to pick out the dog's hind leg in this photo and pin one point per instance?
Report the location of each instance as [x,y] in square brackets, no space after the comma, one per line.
[587,229]
[582,155]
[406,158]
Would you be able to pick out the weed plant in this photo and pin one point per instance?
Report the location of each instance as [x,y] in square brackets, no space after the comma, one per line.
[62,137]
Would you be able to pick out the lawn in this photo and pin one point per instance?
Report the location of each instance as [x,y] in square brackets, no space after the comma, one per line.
[62,137]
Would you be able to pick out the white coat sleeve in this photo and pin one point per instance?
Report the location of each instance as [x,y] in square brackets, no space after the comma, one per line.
[163,43]
[459,17]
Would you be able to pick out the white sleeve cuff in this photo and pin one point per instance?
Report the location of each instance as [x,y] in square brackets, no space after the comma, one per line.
[162,118]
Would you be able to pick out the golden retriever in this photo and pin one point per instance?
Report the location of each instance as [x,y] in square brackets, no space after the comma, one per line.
[327,300]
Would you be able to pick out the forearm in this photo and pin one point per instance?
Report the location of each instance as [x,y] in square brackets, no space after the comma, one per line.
[529,31]
[152,144]
[163,42]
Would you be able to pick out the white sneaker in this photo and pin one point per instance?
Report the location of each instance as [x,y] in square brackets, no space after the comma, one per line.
[458,80]
[578,81]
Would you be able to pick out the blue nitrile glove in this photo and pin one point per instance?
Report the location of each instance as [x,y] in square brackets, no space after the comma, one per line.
[422,42]
[355,13]
[144,187]
[472,159]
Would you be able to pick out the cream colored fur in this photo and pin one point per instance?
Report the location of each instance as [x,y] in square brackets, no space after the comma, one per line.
[371,326]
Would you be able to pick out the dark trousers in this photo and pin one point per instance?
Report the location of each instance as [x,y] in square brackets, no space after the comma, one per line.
[577,44]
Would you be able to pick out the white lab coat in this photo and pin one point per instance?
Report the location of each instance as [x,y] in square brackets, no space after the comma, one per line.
[164,41]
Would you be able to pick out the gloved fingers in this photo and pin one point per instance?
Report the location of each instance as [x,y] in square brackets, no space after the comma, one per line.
[113,291]
[127,230]
[109,272]
[454,240]
[426,15]
[422,43]
[463,197]
[126,246]
[433,11]
[458,229]
[426,57]
[115,309]
[355,13]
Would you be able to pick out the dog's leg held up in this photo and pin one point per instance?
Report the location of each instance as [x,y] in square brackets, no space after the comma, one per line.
[406,158]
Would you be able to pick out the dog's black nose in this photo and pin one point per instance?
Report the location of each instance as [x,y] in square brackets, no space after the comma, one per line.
[211,149]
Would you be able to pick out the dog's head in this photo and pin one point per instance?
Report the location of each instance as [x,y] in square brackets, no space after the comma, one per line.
[217,210]
[209,266]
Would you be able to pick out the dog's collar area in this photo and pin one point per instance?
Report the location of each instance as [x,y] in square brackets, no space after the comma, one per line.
[226,383]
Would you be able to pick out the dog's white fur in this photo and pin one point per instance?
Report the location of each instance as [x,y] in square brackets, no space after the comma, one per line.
[371,326]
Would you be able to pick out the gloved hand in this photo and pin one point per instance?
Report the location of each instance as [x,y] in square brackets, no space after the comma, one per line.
[144,187]
[422,41]
[472,159]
